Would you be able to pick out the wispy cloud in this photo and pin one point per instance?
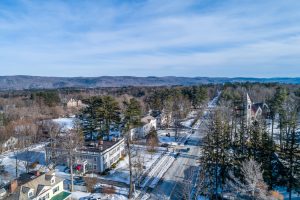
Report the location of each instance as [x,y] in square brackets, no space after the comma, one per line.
[150,37]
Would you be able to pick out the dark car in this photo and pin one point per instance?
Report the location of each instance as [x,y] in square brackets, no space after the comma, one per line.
[164,145]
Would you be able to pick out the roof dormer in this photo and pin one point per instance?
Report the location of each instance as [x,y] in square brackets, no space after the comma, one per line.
[30,193]
[52,180]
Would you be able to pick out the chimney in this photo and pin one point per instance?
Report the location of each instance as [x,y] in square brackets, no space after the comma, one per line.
[37,173]
[13,186]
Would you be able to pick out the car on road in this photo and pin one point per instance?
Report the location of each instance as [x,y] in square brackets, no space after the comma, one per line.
[164,145]
[177,154]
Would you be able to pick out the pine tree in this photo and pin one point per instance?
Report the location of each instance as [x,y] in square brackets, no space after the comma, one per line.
[100,114]
[277,107]
[109,111]
[215,157]
[90,117]
[255,140]
[290,150]
[267,157]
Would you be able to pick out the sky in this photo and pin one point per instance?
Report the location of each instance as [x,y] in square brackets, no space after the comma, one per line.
[215,38]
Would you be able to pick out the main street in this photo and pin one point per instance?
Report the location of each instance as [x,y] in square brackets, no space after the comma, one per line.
[178,181]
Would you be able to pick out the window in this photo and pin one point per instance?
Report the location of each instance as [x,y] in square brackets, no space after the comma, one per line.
[55,190]
[95,159]
[30,194]
[44,197]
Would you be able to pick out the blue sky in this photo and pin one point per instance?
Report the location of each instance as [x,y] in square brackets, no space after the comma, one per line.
[250,38]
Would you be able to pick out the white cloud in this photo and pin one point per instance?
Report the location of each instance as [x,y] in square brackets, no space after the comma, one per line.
[185,38]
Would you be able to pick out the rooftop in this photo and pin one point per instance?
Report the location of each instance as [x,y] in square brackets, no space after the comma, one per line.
[61,196]
[99,146]
[35,182]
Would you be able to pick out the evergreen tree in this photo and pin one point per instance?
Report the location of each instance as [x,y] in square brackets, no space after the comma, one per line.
[100,114]
[109,111]
[267,157]
[290,154]
[275,106]
[255,136]
[215,157]
[90,117]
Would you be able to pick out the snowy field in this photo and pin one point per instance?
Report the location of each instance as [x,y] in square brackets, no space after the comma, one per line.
[36,153]
[65,123]
[119,194]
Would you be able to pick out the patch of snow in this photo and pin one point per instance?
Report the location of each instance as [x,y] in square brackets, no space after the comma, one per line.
[65,123]
[35,153]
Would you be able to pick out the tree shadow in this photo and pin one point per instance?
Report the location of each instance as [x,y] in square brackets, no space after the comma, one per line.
[31,156]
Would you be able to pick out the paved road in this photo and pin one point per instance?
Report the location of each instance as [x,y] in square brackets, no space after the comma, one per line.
[177,182]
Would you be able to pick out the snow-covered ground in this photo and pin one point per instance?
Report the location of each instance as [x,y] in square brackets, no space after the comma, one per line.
[65,123]
[164,139]
[188,123]
[119,194]
[121,172]
[189,119]
[36,153]
[285,194]
[276,130]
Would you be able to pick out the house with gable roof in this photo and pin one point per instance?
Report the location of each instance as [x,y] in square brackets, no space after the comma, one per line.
[38,186]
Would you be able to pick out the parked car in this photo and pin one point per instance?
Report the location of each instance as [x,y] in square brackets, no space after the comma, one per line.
[164,145]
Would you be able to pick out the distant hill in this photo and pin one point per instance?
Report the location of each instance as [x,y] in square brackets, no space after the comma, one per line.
[38,82]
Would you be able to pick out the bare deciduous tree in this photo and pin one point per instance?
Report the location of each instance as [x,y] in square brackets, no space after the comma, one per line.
[71,141]
[251,185]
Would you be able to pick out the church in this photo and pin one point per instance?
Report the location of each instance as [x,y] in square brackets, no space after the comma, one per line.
[255,110]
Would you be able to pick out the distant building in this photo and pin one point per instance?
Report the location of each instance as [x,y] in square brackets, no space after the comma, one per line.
[148,123]
[38,187]
[254,110]
[73,103]
[94,156]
